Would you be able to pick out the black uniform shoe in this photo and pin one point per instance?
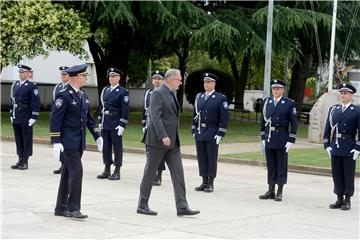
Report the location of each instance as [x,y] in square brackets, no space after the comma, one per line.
[337,204]
[187,212]
[346,206]
[114,176]
[75,214]
[59,213]
[146,211]
[104,175]
[278,196]
[270,194]
[157,180]
[57,171]
[23,166]
[209,187]
[202,185]
[16,164]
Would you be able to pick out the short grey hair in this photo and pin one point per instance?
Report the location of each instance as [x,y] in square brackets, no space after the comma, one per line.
[171,73]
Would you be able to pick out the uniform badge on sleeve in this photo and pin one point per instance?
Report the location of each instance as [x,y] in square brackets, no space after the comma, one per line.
[58,103]
[294,111]
[87,101]
[36,92]
[225,105]
[126,99]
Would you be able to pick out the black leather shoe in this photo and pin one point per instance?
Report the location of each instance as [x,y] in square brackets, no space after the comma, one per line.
[16,165]
[187,212]
[146,211]
[23,166]
[270,194]
[209,188]
[278,197]
[114,176]
[75,214]
[202,186]
[57,171]
[104,175]
[157,182]
[336,205]
[59,213]
[346,206]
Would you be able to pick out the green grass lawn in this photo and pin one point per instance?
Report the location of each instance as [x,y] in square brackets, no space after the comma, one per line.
[237,131]
[304,157]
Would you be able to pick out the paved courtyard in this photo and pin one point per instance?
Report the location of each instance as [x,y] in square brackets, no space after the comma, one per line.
[232,211]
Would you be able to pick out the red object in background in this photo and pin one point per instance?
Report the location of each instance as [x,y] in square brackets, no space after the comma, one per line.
[308,92]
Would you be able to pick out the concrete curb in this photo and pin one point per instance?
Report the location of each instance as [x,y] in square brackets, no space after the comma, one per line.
[292,168]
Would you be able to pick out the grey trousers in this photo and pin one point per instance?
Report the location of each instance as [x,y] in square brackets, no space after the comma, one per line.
[172,157]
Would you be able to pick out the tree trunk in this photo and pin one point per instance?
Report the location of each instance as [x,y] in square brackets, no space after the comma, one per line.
[300,72]
[239,97]
[235,74]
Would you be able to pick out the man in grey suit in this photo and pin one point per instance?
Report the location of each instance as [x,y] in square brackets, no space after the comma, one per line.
[162,142]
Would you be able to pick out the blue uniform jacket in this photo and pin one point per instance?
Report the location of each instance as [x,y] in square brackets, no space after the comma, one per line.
[277,119]
[115,108]
[69,119]
[340,130]
[146,106]
[210,117]
[25,102]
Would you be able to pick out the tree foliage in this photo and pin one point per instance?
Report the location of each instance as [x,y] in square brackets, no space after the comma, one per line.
[32,28]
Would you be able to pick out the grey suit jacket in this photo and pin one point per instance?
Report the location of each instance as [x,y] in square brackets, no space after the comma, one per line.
[163,119]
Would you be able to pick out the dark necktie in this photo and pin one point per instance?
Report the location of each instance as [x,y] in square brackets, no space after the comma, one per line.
[79,94]
[343,108]
[176,102]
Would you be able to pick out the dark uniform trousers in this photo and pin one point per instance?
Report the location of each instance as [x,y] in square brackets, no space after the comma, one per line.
[343,171]
[277,166]
[112,140]
[69,193]
[172,157]
[207,154]
[23,135]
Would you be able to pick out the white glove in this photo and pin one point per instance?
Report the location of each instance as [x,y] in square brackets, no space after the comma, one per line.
[263,142]
[329,149]
[288,146]
[217,139]
[31,122]
[57,148]
[262,147]
[100,143]
[144,129]
[11,119]
[356,153]
[193,135]
[120,130]
[100,126]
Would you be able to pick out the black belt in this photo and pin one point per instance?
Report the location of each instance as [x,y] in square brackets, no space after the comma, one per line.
[21,105]
[106,112]
[279,128]
[343,136]
[208,125]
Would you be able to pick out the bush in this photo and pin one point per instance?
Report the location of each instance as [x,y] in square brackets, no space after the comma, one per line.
[194,84]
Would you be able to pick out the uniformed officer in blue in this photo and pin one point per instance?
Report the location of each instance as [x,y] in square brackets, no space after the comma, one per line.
[25,109]
[68,122]
[278,113]
[342,125]
[60,86]
[157,79]
[113,118]
[210,119]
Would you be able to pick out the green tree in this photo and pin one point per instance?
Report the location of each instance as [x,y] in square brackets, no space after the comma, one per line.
[31,28]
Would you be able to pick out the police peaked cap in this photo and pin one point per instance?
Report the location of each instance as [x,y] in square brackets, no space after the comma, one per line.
[210,77]
[277,83]
[23,68]
[77,70]
[114,71]
[63,68]
[346,87]
[157,73]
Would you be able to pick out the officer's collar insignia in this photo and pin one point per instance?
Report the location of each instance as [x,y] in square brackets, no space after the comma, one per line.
[225,105]
[36,92]
[352,108]
[71,91]
[58,103]
[25,84]
[17,83]
[73,102]
[282,101]
[202,95]
[337,107]
[213,96]
[117,90]
[270,101]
